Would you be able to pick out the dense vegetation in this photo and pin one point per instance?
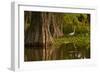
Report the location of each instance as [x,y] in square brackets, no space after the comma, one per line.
[56,36]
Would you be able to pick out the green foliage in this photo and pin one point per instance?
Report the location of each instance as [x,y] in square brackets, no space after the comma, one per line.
[79,43]
[79,21]
[78,40]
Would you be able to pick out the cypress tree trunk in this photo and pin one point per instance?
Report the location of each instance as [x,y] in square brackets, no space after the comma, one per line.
[55,26]
[39,35]
[47,37]
[34,37]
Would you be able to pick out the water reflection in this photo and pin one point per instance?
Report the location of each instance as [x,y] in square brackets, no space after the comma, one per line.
[64,51]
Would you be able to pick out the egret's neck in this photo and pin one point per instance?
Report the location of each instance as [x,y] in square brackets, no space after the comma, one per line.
[74,28]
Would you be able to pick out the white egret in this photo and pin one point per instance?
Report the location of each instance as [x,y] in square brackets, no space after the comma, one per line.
[72,33]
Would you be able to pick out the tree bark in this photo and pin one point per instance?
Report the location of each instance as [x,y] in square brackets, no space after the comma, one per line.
[39,34]
[55,26]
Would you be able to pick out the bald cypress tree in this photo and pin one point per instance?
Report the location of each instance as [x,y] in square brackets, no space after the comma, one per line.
[40,29]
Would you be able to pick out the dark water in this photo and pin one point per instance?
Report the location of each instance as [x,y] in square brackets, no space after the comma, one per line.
[63,52]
